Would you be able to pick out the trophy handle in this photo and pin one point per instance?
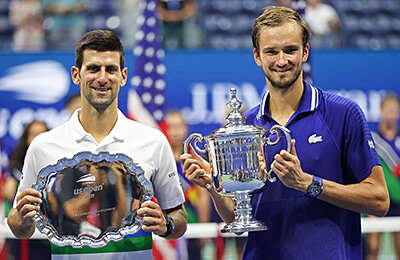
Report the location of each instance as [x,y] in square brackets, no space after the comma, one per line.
[274,130]
[198,138]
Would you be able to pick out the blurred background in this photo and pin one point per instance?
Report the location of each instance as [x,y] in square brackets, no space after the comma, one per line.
[205,49]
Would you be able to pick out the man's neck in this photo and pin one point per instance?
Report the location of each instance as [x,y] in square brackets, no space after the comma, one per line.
[99,125]
[284,103]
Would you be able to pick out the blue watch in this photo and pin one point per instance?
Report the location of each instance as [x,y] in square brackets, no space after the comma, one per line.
[170,226]
[315,188]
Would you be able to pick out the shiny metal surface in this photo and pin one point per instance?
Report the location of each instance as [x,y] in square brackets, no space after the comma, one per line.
[233,151]
[91,199]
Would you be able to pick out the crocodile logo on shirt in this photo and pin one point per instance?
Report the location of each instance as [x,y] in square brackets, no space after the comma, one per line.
[314,139]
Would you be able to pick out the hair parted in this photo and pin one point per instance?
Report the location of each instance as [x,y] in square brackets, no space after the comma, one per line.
[99,40]
[275,16]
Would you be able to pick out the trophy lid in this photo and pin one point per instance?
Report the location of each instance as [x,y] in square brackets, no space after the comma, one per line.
[236,121]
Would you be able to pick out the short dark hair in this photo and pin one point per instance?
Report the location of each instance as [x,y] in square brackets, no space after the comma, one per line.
[99,40]
[275,16]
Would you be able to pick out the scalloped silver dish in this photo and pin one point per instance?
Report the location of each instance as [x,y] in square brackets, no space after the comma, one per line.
[91,199]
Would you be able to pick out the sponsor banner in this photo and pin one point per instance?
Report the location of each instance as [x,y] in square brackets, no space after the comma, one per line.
[36,86]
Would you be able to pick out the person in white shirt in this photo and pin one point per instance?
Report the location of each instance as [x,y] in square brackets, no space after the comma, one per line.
[322,19]
[99,126]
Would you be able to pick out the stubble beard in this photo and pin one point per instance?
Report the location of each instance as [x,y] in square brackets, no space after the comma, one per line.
[283,84]
[100,105]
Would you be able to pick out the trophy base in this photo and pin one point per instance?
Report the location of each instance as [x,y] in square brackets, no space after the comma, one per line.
[237,227]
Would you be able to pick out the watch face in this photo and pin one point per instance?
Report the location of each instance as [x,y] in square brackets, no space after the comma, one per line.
[315,188]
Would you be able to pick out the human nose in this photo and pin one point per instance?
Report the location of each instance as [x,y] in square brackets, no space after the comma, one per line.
[102,77]
[282,60]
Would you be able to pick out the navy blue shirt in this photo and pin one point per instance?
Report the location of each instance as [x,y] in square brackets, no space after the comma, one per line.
[333,142]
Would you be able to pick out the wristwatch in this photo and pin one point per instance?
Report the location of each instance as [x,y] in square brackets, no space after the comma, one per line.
[315,188]
[170,225]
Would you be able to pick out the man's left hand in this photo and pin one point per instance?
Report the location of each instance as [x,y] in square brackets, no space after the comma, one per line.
[153,218]
[288,169]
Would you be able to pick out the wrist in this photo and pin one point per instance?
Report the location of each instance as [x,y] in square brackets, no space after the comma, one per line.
[170,224]
[315,188]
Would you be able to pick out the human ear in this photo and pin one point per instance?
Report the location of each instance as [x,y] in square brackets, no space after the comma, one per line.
[75,75]
[257,57]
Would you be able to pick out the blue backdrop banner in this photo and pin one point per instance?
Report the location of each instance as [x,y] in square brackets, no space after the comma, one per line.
[36,86]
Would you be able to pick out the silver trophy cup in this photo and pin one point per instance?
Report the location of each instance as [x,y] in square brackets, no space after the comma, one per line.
[233,151]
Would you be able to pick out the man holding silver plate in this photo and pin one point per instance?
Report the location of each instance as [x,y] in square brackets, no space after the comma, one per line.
[329,176]
[88,183]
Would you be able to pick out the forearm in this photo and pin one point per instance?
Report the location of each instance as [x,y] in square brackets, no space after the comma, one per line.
[363,197]
[370,196]
[223,205]
[203,207]
[20,228]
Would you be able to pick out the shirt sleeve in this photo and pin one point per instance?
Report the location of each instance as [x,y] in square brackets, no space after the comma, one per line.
[167,187]
[359,148]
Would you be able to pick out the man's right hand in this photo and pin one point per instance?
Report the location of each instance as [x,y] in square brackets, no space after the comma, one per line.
[195,167]
[28,204]
[21,217]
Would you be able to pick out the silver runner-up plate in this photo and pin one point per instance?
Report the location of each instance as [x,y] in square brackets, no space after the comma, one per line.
[91,199]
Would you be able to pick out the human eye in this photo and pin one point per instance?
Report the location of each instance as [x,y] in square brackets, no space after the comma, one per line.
[291,50]
[270,51]
[111,69]
[93,68]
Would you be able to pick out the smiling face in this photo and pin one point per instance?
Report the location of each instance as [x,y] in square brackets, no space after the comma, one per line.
[100,78]
[281,54]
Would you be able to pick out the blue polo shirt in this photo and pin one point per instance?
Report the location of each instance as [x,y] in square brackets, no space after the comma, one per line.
[333,142]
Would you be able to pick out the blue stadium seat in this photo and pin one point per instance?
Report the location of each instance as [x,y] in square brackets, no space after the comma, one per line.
[395,24]
[359,40]
[393,41]
[377,43]
[232,6]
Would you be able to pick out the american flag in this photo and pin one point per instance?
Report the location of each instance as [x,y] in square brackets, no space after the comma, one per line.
[146,98]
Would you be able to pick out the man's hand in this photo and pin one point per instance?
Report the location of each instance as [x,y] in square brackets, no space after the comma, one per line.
[20,218]
[195,167]
[28,204]
[153,218]
[288,169]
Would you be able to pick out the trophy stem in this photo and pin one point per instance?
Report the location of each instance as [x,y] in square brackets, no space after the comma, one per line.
[244,220]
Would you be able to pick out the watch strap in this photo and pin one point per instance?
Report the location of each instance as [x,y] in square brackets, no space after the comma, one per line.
[170,226]
[316,181]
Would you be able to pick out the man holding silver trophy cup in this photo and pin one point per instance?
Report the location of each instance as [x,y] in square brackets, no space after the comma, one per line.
[329,174]
[86,184]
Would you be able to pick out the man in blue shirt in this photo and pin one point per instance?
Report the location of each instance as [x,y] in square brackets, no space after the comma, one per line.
[333,172]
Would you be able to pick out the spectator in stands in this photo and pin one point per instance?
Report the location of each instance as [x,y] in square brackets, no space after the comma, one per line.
[34,248]
[387,143]
[178,24]
[73,103]
[324,24]
[65,22]
[197,200]
[128,11]
[26,17]
[285,3]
